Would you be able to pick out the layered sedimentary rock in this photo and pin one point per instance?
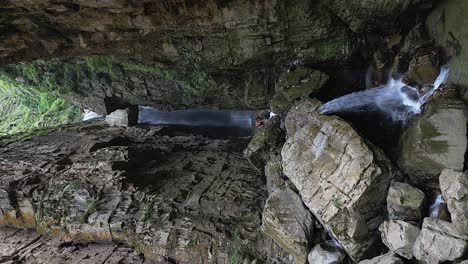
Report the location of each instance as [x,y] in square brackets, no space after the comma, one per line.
[166,31]
[405,202]
[399,237]
[186,199]
[389,258]
[341,178]
[26,246]
[204,54]
[296,84]
[454,186]
[439,241]
[287,221]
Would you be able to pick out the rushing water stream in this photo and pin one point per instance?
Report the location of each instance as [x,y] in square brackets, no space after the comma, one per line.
[395,98]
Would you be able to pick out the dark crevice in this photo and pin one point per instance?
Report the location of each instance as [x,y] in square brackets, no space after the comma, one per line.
[118,141]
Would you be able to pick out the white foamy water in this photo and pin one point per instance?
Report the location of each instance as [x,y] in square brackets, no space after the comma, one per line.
[395,98]
[435,206]
[88,115]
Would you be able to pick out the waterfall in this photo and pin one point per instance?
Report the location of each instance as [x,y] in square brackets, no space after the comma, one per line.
[395,98]
[435,206]
[88,115]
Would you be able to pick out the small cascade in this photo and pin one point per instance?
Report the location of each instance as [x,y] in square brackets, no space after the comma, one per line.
[435,206]
[396,99]
[88,115]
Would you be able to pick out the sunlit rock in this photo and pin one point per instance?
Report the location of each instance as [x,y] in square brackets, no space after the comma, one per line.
[399,237]
[123,117]
[389,258]
[439,241]
[341,178]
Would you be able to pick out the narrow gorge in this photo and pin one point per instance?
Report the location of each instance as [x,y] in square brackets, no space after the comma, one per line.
[234,131]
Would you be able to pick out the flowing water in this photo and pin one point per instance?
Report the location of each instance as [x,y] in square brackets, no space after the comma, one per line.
[396,99]
[435,206]
[220,122]
[88,115]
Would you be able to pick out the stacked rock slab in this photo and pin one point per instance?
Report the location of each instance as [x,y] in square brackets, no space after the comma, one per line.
[454,187]
[341,178]
[434,141]
[439,241]
[388,258]
[399,237]
[405,202]
[289,223]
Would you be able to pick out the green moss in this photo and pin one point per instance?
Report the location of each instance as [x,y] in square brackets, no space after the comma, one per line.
[234,258]
[30,71]
[93,207]
[331,49]
[148,215]
[101,64]
[337,203]
[232,45]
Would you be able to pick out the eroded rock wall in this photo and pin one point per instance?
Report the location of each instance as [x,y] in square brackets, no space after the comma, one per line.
[186,199]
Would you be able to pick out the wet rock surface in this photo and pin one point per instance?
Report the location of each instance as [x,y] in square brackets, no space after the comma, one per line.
[435,140]
[341,178]
[324,254]
[186,199]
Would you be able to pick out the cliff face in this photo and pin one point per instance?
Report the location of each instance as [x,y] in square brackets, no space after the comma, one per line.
[185,198]
[220,32]
[211,54]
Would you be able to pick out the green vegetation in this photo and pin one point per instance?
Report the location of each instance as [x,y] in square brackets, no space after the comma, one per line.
[236,254]
[24,108]
[101,64]
[232,45]
[93,207]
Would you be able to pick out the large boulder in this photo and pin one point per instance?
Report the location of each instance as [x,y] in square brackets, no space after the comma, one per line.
[399,237]
[288,222]
[435,140]
[454,187]
[405,202]
[295,84]
[444,26]
[341,178]
[439,241]
[123,117]
[326,254]
[389,258]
